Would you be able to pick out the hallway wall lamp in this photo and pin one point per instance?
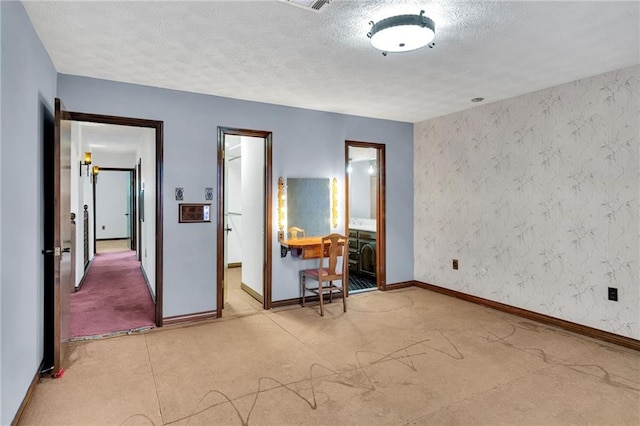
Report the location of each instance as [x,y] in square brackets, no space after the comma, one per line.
[94,174]
[86,162]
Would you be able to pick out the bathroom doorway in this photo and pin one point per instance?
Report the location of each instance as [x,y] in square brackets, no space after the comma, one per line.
[365,215]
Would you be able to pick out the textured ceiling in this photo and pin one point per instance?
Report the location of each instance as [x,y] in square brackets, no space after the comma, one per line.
[271,52]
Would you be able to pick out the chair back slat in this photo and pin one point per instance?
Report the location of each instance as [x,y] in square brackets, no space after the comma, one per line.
[331,245]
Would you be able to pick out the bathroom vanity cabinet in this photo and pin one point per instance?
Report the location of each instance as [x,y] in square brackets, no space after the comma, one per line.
[362,252]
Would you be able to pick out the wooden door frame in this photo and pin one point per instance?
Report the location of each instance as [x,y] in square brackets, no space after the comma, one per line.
[268,206]
[132,221]
[159,141]
[133,209]
[381,211]
[139,210]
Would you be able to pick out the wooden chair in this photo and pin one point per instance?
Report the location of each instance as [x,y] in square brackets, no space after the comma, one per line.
[333,246]
[294,232]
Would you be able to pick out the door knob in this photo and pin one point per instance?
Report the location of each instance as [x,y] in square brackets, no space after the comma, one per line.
[228,229]
[66,250]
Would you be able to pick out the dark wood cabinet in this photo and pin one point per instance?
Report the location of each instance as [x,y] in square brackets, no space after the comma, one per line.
[353,252]
[362,252]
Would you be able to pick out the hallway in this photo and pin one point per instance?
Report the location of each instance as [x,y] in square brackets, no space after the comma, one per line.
[114,297]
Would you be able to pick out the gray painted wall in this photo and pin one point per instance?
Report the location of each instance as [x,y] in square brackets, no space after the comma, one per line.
[28,84]
[190,141]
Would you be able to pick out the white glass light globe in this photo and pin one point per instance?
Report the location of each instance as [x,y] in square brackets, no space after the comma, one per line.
[402,38]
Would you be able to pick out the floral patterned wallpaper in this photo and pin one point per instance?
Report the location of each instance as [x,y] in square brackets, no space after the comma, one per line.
[538,198]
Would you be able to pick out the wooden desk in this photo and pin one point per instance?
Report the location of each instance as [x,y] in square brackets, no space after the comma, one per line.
[305,247]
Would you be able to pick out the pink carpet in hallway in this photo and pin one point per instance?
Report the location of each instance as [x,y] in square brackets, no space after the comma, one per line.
[114,297]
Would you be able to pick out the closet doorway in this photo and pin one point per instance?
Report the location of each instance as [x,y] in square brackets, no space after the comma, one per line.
[365,215]
[244,221]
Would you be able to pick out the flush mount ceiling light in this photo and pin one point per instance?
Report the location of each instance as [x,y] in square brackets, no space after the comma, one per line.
[402,33]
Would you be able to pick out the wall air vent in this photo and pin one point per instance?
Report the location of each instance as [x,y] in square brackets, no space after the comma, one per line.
[313,5]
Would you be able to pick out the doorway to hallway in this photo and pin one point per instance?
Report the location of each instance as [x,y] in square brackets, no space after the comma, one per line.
[68,165]
[115,292]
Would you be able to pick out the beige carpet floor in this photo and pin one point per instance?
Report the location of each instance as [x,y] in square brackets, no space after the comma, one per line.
[109,246]
[404,357]
[239,301]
